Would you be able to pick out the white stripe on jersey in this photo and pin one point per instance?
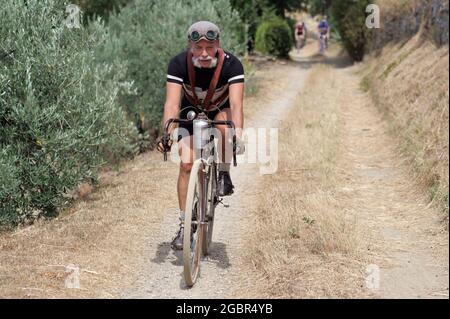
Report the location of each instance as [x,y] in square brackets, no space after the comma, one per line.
[236,78]
[174,78]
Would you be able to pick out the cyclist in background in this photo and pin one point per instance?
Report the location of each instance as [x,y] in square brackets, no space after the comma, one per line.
[324,33]
[300,35]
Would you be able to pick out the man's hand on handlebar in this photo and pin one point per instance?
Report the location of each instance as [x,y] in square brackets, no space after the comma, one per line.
[240,146]
[164,143]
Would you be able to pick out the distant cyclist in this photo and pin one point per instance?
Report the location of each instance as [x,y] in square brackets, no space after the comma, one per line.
[300,35]
[324,33]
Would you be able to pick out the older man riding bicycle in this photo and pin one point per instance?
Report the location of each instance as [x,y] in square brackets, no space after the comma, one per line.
[210,79]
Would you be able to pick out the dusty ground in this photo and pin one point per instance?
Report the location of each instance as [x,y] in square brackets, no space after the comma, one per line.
[119,235]
[408,238]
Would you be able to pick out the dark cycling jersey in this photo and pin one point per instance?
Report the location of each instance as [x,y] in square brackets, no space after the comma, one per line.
[232,72]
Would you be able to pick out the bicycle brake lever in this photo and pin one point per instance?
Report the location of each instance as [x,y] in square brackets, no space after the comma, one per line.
[165,141]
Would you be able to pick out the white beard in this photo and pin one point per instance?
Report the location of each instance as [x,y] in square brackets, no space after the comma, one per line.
[196,63]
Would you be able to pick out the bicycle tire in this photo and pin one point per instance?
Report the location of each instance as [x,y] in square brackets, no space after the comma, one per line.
[211,203]
[192,250]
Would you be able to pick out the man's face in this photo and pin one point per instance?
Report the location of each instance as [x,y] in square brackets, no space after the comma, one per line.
[204,51]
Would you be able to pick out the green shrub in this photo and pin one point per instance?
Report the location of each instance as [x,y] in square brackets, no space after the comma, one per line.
[147,35]
[291,23]
[59,115]
[250,13]
[9,185]
[350,18]
[101,8]
[319,7]
[69,97]
[274,37]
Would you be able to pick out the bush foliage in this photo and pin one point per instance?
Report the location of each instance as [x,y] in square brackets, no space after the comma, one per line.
[350,20]
[70,98]
[59,116]
[274,37]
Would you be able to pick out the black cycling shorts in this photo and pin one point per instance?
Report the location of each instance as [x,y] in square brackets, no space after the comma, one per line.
[187,129]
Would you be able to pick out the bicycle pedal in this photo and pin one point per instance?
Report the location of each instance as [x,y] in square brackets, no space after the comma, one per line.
[225,205]
[220,201]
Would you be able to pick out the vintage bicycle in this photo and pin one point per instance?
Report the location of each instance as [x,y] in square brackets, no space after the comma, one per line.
[202,196]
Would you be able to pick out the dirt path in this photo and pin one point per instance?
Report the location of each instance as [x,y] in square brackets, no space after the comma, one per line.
[119,236]
[408,240]
[401,248]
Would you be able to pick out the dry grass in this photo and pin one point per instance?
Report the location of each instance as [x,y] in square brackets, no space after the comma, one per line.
[410,84]
[102,234]
[305,243]
[398,7]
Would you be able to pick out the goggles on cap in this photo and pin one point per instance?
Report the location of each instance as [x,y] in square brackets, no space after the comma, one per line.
[209,35]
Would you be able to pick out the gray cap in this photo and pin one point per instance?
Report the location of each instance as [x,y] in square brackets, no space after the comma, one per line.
[202,27]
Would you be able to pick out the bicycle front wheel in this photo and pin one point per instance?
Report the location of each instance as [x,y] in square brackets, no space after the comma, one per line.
[193,224]
[211,203]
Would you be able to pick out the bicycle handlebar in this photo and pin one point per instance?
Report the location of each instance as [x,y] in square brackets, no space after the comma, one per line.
[166,135]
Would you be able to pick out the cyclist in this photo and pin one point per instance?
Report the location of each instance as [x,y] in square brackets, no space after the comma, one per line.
[300,35]
[201,63]
[324,31]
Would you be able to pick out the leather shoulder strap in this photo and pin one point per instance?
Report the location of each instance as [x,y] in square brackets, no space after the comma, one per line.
[191,73]
[213,84]
[215,79]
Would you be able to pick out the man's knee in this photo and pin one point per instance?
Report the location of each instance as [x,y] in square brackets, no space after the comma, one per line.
[185,168]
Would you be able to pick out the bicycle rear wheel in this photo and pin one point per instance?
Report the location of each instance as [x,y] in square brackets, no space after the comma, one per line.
[211,203]
[193,226]
[322,45]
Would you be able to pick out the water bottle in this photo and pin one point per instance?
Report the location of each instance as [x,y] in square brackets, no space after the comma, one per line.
[202,132]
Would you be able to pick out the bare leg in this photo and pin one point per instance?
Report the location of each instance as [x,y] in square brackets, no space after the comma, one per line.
[186,155]
[226,149]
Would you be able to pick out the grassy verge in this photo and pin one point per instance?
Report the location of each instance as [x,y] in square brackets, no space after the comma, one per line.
[303,230]
[251,80]
[409,84]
